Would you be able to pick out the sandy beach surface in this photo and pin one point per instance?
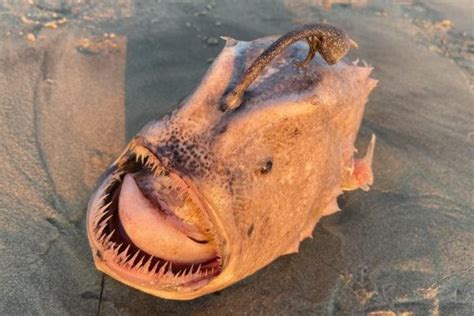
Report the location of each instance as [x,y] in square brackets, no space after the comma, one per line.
[79,78]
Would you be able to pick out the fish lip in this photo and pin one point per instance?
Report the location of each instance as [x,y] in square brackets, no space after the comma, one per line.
[104,258]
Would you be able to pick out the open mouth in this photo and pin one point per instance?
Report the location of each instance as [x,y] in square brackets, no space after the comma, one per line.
[148,228]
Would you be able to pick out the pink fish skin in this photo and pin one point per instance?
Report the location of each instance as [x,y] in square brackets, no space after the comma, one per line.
[240,173]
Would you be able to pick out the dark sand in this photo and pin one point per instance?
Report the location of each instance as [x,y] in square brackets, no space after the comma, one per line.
[68,105]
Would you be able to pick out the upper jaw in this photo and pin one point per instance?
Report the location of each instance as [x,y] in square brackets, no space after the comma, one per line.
[117,256]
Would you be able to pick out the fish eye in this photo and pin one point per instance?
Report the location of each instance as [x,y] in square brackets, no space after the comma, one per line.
[266,167]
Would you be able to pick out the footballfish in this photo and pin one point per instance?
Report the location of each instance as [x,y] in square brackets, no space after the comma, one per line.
[240,172]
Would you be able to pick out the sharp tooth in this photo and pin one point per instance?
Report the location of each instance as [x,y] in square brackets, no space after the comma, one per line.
[147,264]
[104,222]
[154,270]
[139,265]
[163,268]
[190,272]
[168,269]
[127,261]
[199,270]
[124,254]
[102,199]
[135,256]
[102,238]
[102,211]
[184,274]
[116,250]
[107,239]
[169,273]
[100,217]
[111,246]
[178,274]
[100,231]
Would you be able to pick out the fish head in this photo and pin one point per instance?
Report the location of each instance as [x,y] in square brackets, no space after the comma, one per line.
[203,198]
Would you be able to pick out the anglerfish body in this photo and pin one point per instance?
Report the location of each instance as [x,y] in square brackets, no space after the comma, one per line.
[240,173]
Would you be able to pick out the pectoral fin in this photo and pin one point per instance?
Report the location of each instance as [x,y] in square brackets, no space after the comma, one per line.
[360,173]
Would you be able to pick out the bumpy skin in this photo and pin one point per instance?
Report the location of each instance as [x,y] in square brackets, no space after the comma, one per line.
[300,121]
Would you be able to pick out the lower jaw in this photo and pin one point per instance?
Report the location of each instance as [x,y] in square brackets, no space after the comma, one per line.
[167,282]
[163,290]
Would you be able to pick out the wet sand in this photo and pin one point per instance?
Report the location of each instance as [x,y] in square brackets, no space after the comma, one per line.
[77,81]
